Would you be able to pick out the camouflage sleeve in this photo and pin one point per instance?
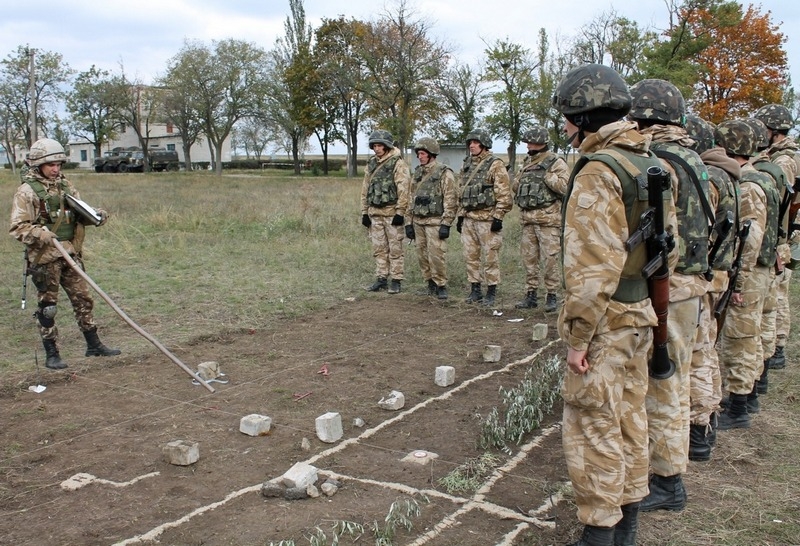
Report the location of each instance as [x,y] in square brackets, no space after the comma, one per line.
[412,192]
[789,167]
[364,188]
[557,177]
[23,215]
[502,190]
[595,231]
[402,178]
[753,207]
[450,197]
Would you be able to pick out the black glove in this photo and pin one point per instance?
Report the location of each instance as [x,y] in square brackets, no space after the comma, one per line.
[398,220]
[365,221]
[459,223]
[444,231]
[410,232]
[497,225]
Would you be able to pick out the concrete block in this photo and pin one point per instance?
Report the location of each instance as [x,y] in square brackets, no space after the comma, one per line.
[395,401]
[329,427]
[300,475]
[445,376]
[539,332]
[255,424]
[491,353]
[181,452]
[208,370]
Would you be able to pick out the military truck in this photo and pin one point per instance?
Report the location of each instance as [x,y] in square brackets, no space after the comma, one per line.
[116,160]
[132,160]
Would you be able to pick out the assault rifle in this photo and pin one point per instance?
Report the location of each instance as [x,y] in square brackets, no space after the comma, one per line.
[722,230]
[659,243]
[733,275]
[24,278]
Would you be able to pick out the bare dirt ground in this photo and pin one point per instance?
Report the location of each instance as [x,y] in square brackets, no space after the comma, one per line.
[110,418]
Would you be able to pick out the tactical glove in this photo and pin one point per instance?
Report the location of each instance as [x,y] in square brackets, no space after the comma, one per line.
[47,237]
[444,231]
[365,221]
[459,224]
[103,217]
[410,232]
[398,220]
[497,225]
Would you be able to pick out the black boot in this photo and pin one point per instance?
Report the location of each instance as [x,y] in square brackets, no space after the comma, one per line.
[491,292]
[430,290]
[713,423]
[53,361]
[441,292]
[551,304]
[380,284]
[666,493]
[530,301]
[699,449]
[778,360]
[735,415]
[596,536]
[475,295]
[753,406]
[94,347]
[762,383]
[625,529]
[394,287]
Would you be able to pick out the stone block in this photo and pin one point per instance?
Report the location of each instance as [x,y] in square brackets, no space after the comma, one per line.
[329,488]
[420,456]
[539,331]
[329,427]
[445,376]
[255,424]
[272,490]
[181,452]
[300,475]
[395,401]
[295,493]
[208,370]
[491,353]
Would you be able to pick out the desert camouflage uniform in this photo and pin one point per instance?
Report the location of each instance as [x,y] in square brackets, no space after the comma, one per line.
[431,250]
[668,399]
[605,423]
[476,236]
[50,269]
[387,240]
[541,227]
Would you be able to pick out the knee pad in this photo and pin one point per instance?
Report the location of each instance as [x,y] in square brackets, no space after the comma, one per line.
[47,314]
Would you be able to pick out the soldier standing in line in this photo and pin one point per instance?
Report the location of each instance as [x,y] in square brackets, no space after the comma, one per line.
[607,317]
[485,199]
[538,191]
[740,348]
[384,199]
[41,213]
[431,211]
[705,391]
[660,111]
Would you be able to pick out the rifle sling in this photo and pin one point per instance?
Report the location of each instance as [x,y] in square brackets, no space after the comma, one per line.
[674,158]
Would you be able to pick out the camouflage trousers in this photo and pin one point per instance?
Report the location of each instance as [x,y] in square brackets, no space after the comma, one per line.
[387,247]
[769,315]
[705,386]
[541,245]
[783,318]
[741,355]
[432,253]
[668,399]
[479,243]
[57,274]
[604,432]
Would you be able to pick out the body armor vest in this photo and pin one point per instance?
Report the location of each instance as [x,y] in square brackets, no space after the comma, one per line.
[767,254]
[429,199]
[533,193]
[382,189]
[631,170]
[781,184]
[693,221]
[728,203]
[51,208]
[477,193]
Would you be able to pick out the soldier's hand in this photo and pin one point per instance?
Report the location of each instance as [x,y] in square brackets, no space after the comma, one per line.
[497,225]
[47,237]
[459,224]
[576,361]
[410,232]
[103,217]
[444,231]
[365,221]
[398,220]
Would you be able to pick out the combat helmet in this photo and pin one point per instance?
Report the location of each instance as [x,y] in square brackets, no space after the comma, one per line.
[657,100]
[701,131]
[590,87]
[737,137]
[380,136]
[536,135]
[775,116]
[482,136]
[761,131]
[46,150]
[428,144]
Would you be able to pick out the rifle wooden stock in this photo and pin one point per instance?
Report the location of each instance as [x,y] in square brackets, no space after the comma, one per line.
[722,304]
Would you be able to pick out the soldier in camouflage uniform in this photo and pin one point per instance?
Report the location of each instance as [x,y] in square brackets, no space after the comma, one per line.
[705,391]
[659,109]
[538,191]
[40,214]
[607,315]
[431,211]
[384,200]
[740,348]
[783,151]
[484,200]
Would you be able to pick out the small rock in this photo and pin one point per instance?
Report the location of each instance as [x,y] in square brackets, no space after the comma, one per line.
[539,331]
[395,401]
[305,444]
[295,493]
[272,489]
[312,491]
[329,488]
[181,452]
[491,353]
[444,376]
[208,370]
[358,422]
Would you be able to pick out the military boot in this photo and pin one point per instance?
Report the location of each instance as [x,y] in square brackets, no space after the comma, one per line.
[530,301]
[596,536]
[666,493]
[394,287]
[491,292]
[778,360]
[699,449]
[53,361]
[762,383]
[94,347]
[753,405]
[551,304]
[441,292]
[713,423]
[625,529]
[430,290]
[735,415]
[475,295]
[380,284]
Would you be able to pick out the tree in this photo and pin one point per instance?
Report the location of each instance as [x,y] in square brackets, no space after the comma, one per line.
[462,98]
[90,104]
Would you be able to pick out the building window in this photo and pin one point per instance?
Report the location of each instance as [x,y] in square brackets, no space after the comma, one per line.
[84,156]
[170,128]
[171,147]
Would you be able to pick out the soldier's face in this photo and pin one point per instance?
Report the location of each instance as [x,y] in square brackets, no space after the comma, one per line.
[572,129]
[533,148]
[50,170]
[379,149]
[474,147]
[424,157]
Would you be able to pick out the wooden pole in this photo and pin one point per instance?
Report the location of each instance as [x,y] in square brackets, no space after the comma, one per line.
[126,318]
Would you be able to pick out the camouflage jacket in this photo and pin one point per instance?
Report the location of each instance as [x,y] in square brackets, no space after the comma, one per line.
[784,153]
[433,186]
[496,177]
[594,255]
[753,207]
[724,173]
[556,179]
[401,175]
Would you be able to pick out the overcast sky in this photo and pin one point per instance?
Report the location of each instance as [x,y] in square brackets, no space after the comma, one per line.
[142,35]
